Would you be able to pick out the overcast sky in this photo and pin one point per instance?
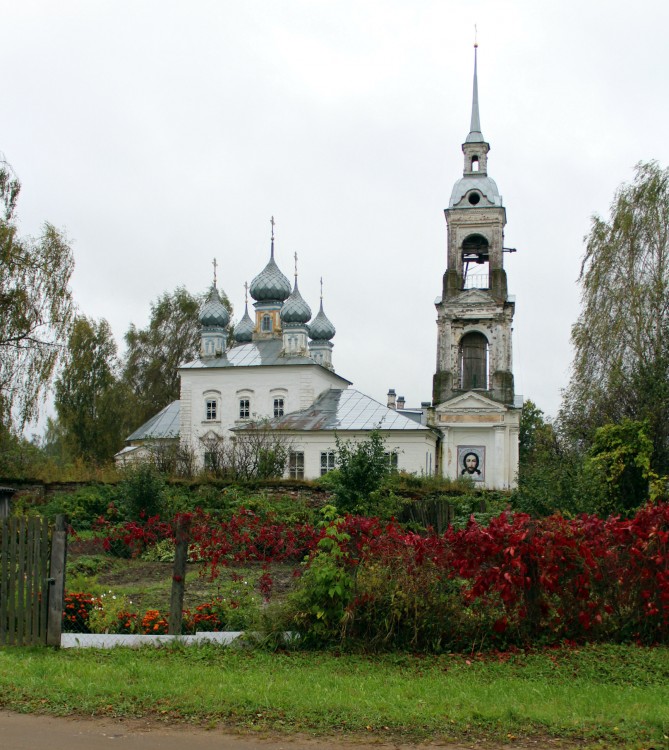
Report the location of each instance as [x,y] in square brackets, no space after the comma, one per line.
[160,135]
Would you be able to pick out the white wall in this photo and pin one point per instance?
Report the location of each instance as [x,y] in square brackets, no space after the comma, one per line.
[415,449]
[299,386]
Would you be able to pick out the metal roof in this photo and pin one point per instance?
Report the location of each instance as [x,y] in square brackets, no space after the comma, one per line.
[164,425]
[345,409]
[484,184]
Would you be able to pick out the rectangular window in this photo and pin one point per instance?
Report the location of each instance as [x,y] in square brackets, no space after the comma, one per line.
[327,461]
[392,460]
[296,465]
[266,325]
[211,409]
[278,407]
[244,408]
[209,461]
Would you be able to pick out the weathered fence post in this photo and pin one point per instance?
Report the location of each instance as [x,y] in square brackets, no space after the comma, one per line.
[57,582]
[179,576]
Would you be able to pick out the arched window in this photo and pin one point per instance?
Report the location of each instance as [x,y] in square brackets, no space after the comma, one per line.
[474,362]
[266,325]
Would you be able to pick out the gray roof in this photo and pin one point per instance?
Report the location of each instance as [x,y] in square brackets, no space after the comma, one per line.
[345,409]
[164,425]
[254,354]
[484,184]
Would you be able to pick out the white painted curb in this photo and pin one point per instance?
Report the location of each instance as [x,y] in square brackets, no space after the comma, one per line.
[111,640]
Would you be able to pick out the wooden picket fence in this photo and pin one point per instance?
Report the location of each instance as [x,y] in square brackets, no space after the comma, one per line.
[32,577]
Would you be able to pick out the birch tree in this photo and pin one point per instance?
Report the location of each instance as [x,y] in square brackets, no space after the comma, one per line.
[621,339]
[36,307]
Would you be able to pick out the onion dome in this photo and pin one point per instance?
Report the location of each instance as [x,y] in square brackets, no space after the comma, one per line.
[214,312]
[244,329]
[295,309]
[270,285]
[321,329]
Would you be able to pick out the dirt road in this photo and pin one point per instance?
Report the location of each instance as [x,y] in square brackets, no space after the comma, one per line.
[33,732]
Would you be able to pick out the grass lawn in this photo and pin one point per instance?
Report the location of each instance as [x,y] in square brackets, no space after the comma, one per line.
[603,696]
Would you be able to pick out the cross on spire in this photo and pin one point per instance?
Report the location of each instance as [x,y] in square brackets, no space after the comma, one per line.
[295,266]
[215,265]
[246,292]
[321,288]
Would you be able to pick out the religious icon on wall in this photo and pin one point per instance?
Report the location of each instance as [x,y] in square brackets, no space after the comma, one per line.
[471,462]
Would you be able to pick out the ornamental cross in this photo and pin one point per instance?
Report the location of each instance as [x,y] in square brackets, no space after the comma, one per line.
[295,265]
[272,222]
[246,292]
[215,264]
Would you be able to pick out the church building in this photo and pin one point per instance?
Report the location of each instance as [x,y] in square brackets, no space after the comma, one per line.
[278,365]
[277,369]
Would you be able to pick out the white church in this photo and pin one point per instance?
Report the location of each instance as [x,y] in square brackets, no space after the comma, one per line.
[278,366]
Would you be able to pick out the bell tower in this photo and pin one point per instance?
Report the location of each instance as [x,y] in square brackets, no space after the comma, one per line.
[473,391]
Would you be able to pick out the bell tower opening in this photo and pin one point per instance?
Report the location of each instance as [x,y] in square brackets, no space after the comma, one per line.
[475,262]
[474,362]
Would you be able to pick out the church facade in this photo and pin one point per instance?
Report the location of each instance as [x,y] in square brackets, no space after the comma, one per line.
[277,367]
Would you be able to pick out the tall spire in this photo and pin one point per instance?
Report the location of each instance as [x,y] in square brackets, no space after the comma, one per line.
[475,135]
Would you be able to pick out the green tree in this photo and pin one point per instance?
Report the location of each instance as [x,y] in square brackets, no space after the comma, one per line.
[621,339]
[361,468]
[621,454]
[91,401]
[154,353]
[36,307]
[532,424]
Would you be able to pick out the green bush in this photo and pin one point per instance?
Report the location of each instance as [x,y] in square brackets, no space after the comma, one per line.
[316,609]
[361,468]
[143,491]
[84,506]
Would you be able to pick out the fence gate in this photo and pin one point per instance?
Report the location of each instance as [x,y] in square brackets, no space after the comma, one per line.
[32,568]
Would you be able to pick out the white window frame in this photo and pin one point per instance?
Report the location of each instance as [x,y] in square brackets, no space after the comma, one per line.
[327,461]
[296,464]
[279,406]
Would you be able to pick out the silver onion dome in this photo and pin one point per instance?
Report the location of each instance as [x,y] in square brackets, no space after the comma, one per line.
[213,311]
[321,329]
[295,309]
[270,285]
[244,329]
